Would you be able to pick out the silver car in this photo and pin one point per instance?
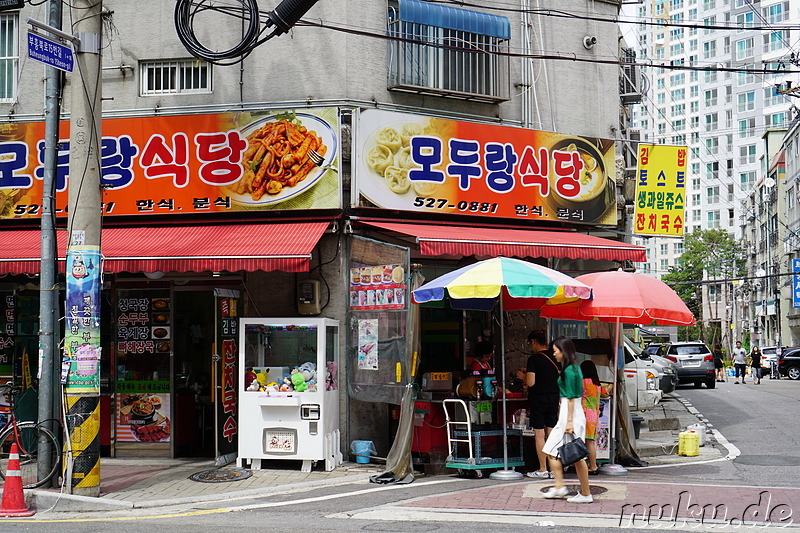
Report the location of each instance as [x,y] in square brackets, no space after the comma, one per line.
[693,361]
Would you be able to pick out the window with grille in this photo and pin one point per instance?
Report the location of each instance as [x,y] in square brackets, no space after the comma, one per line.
[449,51]
[181,76]
[9,56]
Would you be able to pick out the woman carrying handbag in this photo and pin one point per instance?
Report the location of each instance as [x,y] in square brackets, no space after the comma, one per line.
[571,420]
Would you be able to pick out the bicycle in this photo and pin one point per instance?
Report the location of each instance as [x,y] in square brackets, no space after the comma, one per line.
[33,441]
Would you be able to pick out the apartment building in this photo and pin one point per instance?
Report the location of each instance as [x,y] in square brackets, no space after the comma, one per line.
[720,106]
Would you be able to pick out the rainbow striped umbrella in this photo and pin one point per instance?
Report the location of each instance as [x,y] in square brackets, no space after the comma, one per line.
[523,285]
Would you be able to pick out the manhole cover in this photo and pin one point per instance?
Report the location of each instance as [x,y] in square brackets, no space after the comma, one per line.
[768,460]
[219,475]
[593,489]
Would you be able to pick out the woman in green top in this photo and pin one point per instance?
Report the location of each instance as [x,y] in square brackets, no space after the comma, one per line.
[571,419]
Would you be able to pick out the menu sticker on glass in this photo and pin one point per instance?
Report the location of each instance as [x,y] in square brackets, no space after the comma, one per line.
[377,287]
[368,344]
[142,411]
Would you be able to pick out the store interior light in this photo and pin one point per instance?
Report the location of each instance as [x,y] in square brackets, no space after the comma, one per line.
[154,275]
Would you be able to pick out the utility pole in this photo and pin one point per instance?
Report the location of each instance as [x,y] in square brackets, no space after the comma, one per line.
[48,285]
[82,337]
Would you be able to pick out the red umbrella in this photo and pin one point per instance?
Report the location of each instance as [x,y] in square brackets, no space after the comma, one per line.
[624,297]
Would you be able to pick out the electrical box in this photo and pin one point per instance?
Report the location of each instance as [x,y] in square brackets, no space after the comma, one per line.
[308,297]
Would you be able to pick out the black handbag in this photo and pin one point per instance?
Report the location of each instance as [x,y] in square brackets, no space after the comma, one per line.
[572,450]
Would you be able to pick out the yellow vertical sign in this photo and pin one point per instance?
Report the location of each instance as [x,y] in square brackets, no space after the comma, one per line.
[660,190]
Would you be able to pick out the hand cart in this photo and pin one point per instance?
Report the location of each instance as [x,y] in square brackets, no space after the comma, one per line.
[472,451]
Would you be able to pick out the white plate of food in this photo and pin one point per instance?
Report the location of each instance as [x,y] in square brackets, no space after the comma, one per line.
[276,163]
[386,160]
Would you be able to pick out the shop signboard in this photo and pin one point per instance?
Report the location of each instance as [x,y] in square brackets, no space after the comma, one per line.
[82,320]
[187,164]
[225,368]
[796,283]
[431,165]
[377,287]
[7,331]
[660,190]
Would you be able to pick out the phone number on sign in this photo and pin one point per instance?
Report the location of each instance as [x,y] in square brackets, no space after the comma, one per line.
[443,203]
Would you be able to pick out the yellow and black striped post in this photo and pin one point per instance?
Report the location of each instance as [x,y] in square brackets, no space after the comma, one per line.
[83,425]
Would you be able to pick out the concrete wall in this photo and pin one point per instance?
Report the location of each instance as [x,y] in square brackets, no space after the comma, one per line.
[310,64]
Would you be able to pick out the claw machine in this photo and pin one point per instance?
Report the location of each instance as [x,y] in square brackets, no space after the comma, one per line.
[289,390]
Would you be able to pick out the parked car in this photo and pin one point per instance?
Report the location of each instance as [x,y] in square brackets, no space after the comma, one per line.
[693,361]
[642,377]
[669,376]
[769,354]
[652,349]
[789,363]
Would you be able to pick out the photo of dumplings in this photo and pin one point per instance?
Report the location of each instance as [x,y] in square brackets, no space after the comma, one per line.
[397,180]
[390,157]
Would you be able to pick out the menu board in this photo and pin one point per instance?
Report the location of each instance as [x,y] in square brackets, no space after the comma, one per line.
[377,287]
[143,326]
[143,343]
[7,326]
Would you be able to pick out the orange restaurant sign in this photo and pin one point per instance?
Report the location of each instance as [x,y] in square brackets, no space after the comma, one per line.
[432,165]
[186,164]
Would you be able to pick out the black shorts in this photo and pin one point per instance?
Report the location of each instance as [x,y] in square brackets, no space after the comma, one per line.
[718,363]
[543,410]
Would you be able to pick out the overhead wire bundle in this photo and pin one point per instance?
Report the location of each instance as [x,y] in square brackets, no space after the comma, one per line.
[255,25]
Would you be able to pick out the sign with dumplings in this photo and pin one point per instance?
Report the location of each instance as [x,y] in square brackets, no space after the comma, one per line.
[432,165]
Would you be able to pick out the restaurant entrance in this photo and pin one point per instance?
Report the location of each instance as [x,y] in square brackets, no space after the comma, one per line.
[192,360]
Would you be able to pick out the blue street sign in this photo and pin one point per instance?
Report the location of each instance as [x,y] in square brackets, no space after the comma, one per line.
[796,282]
[50,52]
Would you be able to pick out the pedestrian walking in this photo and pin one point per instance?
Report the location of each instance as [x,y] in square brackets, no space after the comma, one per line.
[570,420]
[719,363]
[739,360]
[541,377]
[593,390]
[755,365]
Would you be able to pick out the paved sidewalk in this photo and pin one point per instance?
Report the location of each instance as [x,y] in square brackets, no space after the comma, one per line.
[637,504]
[151,482]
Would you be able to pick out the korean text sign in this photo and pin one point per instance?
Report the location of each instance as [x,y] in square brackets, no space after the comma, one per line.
[660,190]
[796,282]
[431,165]
[186,164]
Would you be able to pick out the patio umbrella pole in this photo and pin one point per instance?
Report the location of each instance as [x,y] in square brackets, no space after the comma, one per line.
[505,474]
[613,469]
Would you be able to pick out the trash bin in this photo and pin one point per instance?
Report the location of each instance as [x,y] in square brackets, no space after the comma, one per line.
[363,450]
[637,424]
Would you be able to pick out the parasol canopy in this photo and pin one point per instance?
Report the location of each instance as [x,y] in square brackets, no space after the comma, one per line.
[523,285]
[625,297]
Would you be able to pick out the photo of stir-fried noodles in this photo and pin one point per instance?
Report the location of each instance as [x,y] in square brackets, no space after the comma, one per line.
[277,157]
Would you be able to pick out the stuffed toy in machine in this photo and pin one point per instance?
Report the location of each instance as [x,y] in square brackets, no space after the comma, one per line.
[299,382]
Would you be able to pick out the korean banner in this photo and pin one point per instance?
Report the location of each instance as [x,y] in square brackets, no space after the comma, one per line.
[82,321]
[432,165]
[660,190]
[248,161]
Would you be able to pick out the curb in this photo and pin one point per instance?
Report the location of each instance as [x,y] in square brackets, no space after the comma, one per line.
[45,501]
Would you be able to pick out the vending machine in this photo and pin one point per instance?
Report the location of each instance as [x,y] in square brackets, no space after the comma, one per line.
[289,390]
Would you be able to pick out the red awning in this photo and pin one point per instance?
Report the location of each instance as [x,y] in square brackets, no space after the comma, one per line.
[485,242]
[273,246]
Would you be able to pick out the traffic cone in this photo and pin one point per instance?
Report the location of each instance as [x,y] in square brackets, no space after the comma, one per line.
[13,498]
